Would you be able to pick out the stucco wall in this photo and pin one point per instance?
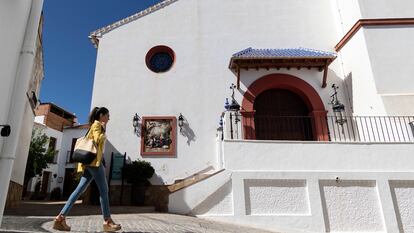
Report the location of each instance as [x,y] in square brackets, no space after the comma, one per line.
[391,49]
[276,197]
[402,193]
[278,156]
[348,12]
[22,150]
[315,201]
[386,9]
[13,13]
[352,206]
[198,83]
[359,75]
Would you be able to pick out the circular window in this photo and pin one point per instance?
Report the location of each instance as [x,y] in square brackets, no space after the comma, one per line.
[160,59]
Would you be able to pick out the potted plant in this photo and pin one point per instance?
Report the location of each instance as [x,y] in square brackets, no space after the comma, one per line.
[137,174]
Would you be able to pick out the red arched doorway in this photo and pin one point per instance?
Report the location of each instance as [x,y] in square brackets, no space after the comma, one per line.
[277,96]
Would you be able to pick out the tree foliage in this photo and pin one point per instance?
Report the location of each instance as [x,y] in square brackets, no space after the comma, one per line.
[39,156]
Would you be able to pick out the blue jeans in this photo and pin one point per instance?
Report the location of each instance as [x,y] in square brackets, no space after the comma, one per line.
[91,173]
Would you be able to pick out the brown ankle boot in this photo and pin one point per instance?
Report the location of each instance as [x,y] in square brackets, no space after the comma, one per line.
[110,226]
[60,224]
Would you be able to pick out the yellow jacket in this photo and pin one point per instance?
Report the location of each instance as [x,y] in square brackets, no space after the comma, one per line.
[97,133]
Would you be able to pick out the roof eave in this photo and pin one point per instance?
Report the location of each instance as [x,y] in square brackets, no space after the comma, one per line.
[94,40]
[232,63]
[119,23]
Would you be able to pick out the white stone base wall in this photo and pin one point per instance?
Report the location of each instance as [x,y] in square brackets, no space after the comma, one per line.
[315,201]
[307,187]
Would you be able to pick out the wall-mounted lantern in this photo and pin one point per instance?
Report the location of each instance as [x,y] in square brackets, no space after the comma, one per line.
[135,122]
[5,131]
[234,106]
[181,121]
[337,107]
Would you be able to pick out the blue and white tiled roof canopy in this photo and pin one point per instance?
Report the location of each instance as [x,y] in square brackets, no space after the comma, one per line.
[281,58]
[283,53]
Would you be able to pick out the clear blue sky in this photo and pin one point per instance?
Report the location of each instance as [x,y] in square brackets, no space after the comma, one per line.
[69,56]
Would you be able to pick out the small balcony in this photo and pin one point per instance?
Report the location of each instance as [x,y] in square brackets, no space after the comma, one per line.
[364,129]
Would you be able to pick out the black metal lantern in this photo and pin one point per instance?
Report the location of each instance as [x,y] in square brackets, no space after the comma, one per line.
[234,106]
[5,131]
[135,122]
[337,107]
[181,121]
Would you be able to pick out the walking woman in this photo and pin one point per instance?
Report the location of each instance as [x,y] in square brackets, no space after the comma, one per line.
[98,120]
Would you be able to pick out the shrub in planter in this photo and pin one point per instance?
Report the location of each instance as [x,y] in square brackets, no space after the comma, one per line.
[137,174]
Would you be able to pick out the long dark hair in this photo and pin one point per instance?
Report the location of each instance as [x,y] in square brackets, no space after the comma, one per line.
[96,113]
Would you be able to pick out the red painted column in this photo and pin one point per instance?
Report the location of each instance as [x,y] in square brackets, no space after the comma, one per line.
[320,125]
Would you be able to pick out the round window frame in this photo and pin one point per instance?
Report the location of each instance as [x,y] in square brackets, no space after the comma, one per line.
[159,49]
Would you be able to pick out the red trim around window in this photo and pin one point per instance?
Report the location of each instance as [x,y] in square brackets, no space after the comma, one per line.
[159,49]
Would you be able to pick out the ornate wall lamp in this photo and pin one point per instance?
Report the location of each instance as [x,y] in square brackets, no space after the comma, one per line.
[5,131]
[136,123]
[234,105]
[181,122]
[337,107]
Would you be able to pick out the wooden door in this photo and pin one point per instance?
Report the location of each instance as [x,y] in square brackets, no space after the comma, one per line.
[45,182]
[282,115]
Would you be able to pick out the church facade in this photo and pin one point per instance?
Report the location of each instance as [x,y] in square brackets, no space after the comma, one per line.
[284,115]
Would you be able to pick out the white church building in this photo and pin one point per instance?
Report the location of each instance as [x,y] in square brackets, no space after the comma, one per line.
[317,136]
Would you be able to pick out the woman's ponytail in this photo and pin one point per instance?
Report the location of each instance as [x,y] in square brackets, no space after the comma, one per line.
[96,114]
[92,115]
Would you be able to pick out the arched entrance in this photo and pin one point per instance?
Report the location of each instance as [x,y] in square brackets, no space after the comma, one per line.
[281,115]
[275,94]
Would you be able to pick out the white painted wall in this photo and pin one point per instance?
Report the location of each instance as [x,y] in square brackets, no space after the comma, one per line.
[242,155]
[372,58]
[391,50]
[22,151]
[204,35]
[386,9]
[199,81]
[20,19]
[348,12]
[357,67]
[311,187]
[358,202]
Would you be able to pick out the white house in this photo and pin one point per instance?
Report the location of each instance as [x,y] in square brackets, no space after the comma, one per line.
[286,161]
[62,129]
[21,65]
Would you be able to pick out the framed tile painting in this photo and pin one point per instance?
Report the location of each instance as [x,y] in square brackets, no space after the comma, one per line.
[159,135]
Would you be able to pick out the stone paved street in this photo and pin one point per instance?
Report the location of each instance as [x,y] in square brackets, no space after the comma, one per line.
[37,219]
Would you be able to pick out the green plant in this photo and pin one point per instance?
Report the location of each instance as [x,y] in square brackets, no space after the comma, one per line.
[138,172]
[39,156]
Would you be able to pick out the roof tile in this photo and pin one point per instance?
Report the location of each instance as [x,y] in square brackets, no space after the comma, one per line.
[288,52]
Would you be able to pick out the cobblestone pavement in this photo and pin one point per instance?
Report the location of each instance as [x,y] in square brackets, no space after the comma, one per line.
[140,223]
[37,218]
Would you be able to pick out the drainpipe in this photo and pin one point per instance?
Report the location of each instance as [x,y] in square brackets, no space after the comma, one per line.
[19,100]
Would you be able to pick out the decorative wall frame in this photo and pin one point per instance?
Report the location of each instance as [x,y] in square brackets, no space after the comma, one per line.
[159,136]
